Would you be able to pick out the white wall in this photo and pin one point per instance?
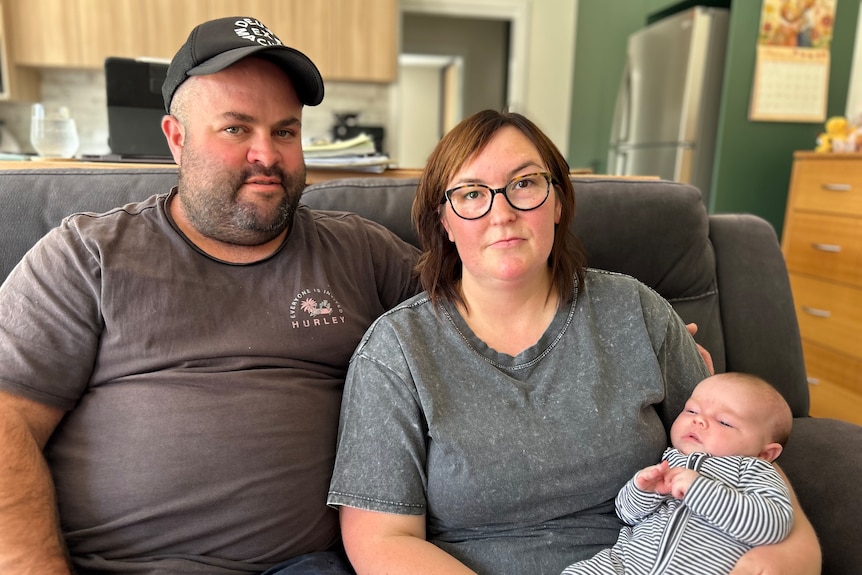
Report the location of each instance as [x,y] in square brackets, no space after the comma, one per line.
[419,109]
[550,66]
[854,95]
[542,54]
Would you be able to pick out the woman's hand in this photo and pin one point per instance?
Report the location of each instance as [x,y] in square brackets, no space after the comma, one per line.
[798,554]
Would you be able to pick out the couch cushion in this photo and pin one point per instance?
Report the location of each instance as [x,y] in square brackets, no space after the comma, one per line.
[41,198]
[656,231]
[384,200]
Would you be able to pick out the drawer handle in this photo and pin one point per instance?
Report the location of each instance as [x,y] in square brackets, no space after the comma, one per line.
[833,248]
[813,380]
[816,312]
[837,187]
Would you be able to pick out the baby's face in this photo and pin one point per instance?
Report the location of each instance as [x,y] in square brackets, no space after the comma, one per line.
[722,418]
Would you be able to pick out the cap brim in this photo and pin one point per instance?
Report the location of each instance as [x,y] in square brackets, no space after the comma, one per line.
[302,71]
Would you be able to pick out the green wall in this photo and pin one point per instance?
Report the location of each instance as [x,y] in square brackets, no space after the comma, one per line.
[753,159]
[600,53]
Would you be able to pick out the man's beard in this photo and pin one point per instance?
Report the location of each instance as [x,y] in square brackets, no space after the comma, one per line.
[211,203]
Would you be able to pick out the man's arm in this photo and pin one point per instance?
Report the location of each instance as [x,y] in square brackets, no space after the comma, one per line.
[30,538]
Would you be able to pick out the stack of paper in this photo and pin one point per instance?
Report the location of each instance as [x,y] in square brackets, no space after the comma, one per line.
[353,154]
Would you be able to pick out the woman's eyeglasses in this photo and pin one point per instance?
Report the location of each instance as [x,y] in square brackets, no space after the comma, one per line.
[524,193]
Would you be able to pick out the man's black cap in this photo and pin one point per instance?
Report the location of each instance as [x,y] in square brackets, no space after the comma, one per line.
[217,44]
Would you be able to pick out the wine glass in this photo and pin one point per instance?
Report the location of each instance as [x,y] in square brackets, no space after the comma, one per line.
[53,133]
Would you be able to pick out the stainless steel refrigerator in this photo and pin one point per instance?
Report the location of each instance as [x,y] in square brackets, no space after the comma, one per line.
[667,107]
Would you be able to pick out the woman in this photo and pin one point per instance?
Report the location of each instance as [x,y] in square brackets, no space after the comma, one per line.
[488,423]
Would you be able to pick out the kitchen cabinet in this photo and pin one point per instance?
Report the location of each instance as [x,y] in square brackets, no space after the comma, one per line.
[82,33]
[306,26]
[135,28]
[351,40]
[109,27]
[822,244]
[365,40]
[45,32]
[16,83]
[168,25]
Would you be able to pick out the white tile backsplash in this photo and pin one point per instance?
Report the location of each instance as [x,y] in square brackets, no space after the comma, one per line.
[84,92]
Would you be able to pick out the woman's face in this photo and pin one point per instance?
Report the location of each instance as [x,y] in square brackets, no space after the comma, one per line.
[505,246]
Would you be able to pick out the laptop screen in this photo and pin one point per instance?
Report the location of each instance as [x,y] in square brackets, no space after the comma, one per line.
[136,108]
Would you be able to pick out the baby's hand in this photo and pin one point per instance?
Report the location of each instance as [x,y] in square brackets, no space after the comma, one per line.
[652,478]
[679,479]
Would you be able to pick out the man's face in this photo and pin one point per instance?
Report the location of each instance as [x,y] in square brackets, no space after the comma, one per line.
[241,165]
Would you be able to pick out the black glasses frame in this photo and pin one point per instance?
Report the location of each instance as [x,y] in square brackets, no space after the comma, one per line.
[447,195]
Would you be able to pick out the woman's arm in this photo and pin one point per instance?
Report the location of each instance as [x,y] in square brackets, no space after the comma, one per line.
[389,544]
[799,554]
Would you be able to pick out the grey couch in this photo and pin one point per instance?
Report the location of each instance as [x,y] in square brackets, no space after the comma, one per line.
[724,272]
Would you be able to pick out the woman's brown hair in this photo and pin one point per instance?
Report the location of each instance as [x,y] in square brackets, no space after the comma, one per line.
[439,266]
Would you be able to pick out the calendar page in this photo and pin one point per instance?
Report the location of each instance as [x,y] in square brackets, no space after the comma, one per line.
[791,76]
[790,85]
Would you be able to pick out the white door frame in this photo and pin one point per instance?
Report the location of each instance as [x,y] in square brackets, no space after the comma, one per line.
[428,104]
[516,11]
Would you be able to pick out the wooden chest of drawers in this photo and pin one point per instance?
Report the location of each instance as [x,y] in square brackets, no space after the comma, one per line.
[822,244]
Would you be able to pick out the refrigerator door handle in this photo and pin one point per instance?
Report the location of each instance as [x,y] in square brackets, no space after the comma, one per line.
[626,111]
[622,160]
[621,124]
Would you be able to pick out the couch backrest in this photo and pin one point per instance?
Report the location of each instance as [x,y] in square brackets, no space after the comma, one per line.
[656,231]
[34,201]
[724,272]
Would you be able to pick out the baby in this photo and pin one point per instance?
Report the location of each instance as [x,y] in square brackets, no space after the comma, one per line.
[715,494]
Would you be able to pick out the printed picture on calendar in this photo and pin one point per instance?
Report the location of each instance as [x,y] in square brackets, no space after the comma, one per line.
[797,23]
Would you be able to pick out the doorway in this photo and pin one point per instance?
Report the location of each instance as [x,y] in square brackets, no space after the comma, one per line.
[430,104]
[478,45]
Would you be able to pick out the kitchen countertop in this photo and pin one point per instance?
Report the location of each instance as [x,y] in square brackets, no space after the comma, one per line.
[313,175]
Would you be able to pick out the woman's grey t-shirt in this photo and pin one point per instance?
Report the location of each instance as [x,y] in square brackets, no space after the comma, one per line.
[515,461]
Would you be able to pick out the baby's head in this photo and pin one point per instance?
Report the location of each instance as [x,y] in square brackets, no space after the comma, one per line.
[733,414]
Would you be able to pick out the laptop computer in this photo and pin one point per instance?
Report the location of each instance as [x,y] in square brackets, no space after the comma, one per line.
[135,110]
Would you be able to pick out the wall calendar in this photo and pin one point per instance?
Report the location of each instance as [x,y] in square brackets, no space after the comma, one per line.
[791,75]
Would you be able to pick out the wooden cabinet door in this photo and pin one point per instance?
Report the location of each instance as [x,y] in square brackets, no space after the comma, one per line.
[307,26]
[110,28]
[136,28]
[16,83]
[45,32]
[365,40]
[352,40]
[168,24]
[300,24]
[260,9]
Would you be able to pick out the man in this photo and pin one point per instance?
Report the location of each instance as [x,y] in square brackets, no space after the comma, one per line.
[171,372]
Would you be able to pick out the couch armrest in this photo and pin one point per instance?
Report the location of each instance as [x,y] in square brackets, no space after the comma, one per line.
[761,334]
[823,461]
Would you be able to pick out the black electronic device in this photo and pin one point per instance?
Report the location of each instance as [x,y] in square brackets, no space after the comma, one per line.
[135,110]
